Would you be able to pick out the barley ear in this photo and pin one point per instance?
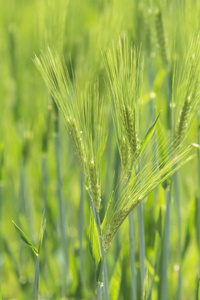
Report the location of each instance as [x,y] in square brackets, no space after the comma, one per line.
[182,123]
[124,153]
[129,126]
[161,38]
[94,186]
[77,141]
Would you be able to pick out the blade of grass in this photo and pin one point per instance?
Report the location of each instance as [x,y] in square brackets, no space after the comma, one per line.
[24,238]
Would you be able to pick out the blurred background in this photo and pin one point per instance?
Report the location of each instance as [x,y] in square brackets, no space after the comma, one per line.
[81,31]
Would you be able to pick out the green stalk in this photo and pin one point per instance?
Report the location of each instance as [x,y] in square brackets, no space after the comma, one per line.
[132,257]
[62,217]
[163,288]
[169,92]
[22,189]
[44,180]
[99,288]
[141,246]
[198,198]
[104,267]
[198,289]
[177,199]
[163,285]
[1,237]
[81,226]
[36,279]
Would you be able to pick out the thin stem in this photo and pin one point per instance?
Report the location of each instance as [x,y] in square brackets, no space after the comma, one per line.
[169,92]
[141,245]
[1,239]
[99,289]
[63,223]
[81,226]
[61,205]
[198,199]
[105,277]
[163,288]
[36,279]
[44,180]
[132,257]
[177,200]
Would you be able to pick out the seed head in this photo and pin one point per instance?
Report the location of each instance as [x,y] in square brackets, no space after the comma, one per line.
[94,186]
[129,126]
[76,138]
[182,123]
[161,38]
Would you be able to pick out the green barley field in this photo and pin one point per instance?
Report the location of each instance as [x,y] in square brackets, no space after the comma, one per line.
[100,149]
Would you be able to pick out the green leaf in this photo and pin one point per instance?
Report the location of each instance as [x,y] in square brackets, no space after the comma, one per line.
[94,245]
[149,134]
[0,294]
[25,239]
[42,230]
[115,282]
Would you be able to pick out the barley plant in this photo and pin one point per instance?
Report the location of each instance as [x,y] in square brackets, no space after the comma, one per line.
[100,139]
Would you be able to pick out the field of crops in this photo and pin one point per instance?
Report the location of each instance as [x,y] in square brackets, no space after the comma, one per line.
[99,149]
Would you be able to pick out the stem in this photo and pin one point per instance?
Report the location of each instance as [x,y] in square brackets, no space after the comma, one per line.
[163,288]
[99,288]
[44,180]
[198,198]
[104,272]
[81,226]
[132,257]
[22,189]
[169,92]
[61,206]
[177,200]
[1,237]
[141,245]
[36,279]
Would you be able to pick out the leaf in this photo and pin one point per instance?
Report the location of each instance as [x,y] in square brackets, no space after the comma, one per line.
[42,230]
[115,281]
[149,134]
[94,245]
[25,239]
[0,294]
